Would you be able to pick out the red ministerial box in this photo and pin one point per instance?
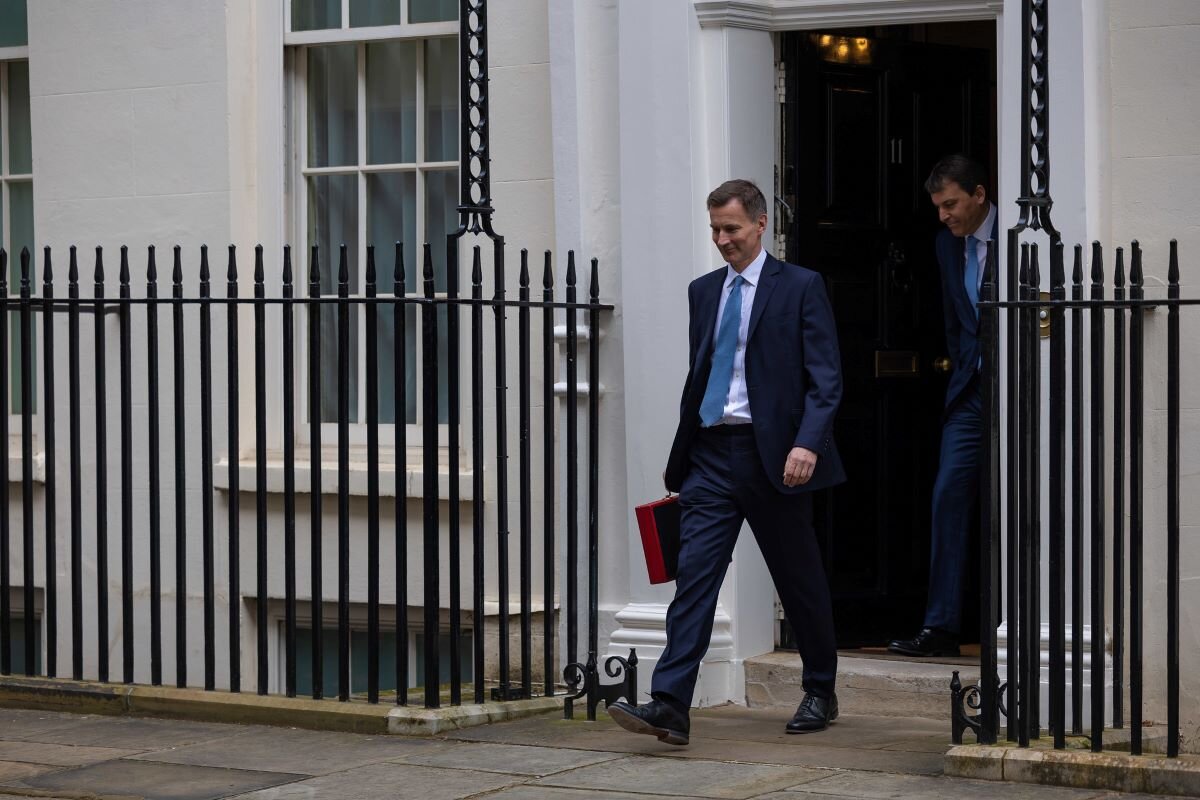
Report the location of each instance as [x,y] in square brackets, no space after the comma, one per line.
[658,523]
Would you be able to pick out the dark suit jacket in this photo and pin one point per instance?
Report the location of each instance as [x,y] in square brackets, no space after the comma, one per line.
[793,372]
[962,325]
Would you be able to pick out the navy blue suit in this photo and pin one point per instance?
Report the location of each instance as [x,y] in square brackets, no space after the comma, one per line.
[730,474]
[957,483]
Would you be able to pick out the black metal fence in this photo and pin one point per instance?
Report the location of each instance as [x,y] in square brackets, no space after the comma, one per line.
[1096,495]
[277,317]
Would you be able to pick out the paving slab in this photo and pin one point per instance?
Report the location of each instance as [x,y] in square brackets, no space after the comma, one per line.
[890,761]
[875,786]
[158,781]
[18,723]
[61,755]
[507,758]
[715,779]
[292,750]
[389,782]
[135,733]
[16,770]
[553,793]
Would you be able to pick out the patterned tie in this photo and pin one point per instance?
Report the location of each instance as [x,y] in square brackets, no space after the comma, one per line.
[971,274]
[712,408]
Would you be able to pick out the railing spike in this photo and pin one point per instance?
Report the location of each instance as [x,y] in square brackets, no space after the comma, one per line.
[314,267]
[177,265]
[151,266]
[1077,269]
[1023,271]
[1135,263]
[370,265]
[25,281]
[287,264]
[205,273]
[259,272]
[547,273]
[595,284]
[570,268]
[476,266]
[1057,271]
[47,269]
[72,265]
[343,265]
[1119,269]
[1173,264]
[123,270]
[99,272]
[231,274]
[1035,268]
[428,269]
[398,269]
[524,278]
[1097,264]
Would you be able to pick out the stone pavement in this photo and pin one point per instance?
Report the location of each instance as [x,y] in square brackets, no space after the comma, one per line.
[736,753]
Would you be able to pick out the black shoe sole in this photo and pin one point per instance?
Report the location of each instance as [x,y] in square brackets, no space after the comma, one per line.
[635,724]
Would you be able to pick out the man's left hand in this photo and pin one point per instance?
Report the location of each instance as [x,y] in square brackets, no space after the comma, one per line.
[799,467]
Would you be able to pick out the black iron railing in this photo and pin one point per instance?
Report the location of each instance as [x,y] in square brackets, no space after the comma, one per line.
[1095,453]
[194,355]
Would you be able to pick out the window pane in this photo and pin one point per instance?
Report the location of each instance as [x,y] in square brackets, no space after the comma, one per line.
[14,25]
[20,195]
[432,10]
[391,102]
[441,100]
[392,217]
[359,661]
[374,12]
[20,156]
[311,15]
[332,106]
[333,221]
[329,661]
[441,217]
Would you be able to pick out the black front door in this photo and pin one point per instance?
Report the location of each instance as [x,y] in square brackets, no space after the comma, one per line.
[865,120]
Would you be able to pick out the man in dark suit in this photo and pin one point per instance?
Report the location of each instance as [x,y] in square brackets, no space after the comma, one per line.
[956,186]
[754,441]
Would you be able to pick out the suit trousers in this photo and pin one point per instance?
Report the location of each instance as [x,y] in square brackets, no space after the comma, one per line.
[726,485]
[955,493]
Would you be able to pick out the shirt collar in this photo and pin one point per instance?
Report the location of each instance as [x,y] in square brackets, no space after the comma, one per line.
[985,230]
[749,274]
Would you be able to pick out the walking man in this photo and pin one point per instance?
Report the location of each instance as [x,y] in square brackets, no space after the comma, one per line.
[956,186]
[755,440]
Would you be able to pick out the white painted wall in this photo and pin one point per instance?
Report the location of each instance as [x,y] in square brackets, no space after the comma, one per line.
[1155,170]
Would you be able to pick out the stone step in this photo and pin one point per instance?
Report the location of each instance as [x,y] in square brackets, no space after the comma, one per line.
[865,685]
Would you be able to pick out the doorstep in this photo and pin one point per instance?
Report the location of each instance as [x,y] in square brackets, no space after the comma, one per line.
[867,684]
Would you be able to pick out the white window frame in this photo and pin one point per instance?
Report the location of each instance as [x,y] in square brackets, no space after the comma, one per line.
[296,46]
[9,55]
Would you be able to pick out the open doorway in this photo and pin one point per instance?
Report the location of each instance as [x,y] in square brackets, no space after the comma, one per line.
[868,111]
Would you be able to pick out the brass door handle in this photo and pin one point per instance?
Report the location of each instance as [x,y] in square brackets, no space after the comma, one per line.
[941,364]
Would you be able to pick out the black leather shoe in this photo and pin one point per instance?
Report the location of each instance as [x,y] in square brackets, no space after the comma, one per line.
[928,642]
[655,718]
[814,714]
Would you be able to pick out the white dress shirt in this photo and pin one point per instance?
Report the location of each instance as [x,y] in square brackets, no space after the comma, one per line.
[737,403]
[981,239]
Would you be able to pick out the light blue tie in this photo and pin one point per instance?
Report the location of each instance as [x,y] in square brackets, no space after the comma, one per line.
[712,408]
[971,274]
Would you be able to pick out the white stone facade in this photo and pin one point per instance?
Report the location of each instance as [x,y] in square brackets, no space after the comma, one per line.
[166,122]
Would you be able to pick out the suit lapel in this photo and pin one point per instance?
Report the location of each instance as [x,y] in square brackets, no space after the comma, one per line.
[767,279]
[706,315]
[963,303]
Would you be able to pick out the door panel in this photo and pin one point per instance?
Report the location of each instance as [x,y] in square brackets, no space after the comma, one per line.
[864,122]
